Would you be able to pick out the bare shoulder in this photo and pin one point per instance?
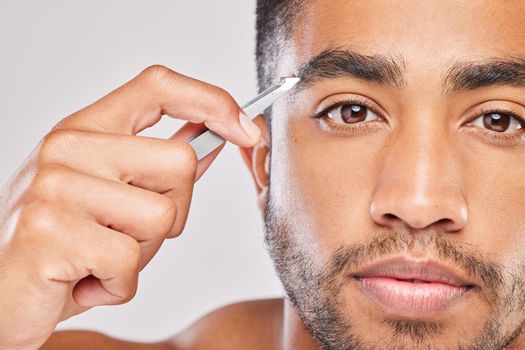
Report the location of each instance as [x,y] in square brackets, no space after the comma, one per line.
[87,340]
[245,325]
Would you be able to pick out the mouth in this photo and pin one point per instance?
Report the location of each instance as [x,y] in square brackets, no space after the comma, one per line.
[413,289]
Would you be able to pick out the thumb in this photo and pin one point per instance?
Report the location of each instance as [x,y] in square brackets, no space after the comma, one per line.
[186,133]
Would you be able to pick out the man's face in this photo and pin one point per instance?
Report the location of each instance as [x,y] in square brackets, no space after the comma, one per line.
[415,174]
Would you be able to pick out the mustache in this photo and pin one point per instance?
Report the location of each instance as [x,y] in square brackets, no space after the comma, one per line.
[454,253]
[291,258]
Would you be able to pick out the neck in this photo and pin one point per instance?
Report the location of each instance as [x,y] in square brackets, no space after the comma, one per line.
[295,336]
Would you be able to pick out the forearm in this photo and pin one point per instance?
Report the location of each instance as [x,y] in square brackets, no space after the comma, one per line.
[82,340]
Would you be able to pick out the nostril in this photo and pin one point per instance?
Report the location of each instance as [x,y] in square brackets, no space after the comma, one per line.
[443,222]
[390,217]
[447,225]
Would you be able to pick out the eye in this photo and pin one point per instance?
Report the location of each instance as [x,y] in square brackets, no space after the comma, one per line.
[351,113]
[500,122]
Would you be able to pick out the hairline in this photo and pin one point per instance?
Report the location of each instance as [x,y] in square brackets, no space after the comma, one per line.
[275,20]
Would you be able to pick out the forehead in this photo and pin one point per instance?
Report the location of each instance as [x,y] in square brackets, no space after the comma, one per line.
[425,33]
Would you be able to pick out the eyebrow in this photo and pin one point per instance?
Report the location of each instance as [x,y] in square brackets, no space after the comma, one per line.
[337,63]
[390,71]
[465,76]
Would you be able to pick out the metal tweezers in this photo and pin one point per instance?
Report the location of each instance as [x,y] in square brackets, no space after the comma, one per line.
[208,141]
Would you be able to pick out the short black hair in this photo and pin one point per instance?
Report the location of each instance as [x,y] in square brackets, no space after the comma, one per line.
[274,24]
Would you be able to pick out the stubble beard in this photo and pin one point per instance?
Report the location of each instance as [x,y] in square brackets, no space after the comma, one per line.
[314,289]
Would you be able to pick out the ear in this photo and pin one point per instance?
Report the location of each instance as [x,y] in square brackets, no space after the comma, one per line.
[257,160]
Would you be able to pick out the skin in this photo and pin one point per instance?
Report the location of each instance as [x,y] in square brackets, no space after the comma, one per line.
[424,169]
[65,249]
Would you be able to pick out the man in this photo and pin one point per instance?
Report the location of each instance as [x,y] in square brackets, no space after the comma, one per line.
[389,180]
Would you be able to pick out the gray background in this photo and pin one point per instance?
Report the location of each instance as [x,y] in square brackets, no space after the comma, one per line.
[58,56]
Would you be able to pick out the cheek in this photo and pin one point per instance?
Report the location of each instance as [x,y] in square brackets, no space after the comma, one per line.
[325,183]
[495,195]
[496,225]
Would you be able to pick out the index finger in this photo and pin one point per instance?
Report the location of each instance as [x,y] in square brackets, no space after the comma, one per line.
[159,91]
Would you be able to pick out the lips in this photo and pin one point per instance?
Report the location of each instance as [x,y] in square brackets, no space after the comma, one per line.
[413,289]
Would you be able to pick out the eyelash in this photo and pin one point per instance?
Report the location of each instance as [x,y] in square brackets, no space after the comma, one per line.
[501,137]
[352,128]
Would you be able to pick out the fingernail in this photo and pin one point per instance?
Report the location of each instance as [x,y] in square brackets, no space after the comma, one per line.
[249,127]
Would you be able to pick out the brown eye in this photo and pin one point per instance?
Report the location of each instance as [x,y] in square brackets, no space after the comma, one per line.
[351,114]
[496,121]
[499,122]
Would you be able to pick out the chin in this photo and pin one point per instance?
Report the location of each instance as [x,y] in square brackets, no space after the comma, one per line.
[390,323]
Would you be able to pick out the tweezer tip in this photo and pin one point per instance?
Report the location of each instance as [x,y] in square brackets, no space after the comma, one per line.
[289,82]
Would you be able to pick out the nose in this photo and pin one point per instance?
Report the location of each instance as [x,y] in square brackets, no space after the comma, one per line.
[419,184]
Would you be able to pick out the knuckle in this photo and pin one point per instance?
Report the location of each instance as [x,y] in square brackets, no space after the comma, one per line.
[126,255]
[179,161]
[55,144]
[129,294]
[164,214]
[126,293]
[186,158]
[49,180]
[177,229]
[132,254]
[38,217]
[156,74]
[226,102]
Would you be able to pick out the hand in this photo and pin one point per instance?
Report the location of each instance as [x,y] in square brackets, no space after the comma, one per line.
[94,202]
